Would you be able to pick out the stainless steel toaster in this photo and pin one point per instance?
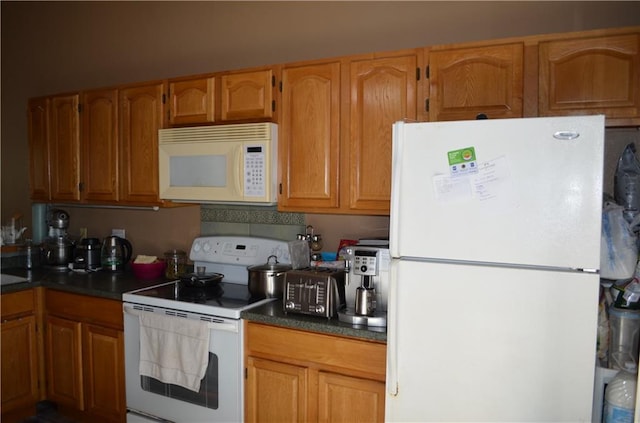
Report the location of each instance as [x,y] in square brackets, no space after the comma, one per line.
[315,291]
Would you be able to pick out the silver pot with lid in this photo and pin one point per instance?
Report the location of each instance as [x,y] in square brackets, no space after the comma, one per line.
[267,280]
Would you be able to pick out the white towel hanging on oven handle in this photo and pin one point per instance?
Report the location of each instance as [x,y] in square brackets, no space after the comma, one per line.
[173,349]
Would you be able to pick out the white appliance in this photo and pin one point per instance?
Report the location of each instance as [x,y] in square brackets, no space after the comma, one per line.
[495,246]
[221,394]
[219,164]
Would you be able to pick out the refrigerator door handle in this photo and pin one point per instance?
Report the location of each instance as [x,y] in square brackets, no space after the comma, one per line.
[392,327]
[396,156]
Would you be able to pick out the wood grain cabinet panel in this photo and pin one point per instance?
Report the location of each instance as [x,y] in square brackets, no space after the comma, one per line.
[349,399]
[100,150]
[64,148]
[248,95]
[64,362]
[299,376]
[103,359]
[275,392]
[591,75]
[310,137]
[85,356]
[192,100]
[382,91]
[22,373]
[141,116]
[38,129]
[466,82]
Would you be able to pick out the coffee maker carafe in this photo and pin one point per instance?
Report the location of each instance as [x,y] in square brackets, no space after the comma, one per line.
[366,287]
[115,253]
[58,248]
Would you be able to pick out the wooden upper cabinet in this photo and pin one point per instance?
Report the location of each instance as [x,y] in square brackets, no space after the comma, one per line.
[141,116]
[381,91]
[64,147]
[248,95]
[192,100]
[309,140]
[100,178]
[38,129]
[467,82]
[591,75]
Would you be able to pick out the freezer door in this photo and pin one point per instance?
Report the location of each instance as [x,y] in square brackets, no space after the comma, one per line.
[476,343]
[516,191]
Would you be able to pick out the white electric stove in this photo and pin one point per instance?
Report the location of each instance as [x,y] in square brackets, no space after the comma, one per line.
[220,398]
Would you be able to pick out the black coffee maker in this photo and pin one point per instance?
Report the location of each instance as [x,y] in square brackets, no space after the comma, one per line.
[88,254]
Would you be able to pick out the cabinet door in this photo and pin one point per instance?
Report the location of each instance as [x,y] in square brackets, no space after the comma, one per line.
[310,137]
[19,363]
[38,126]
[141,111]
[192,101]
[382,91]
[590,76]
[64,152]
[247,95]
[64,362]
[100,145]
[467,82]
[103,354]
[275,392]
[349,399]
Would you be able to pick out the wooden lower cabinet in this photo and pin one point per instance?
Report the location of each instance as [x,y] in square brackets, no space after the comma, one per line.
[20,355]
[298,376]
[84,350]
[349,399]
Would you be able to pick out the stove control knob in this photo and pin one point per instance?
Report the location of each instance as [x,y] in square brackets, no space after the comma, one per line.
[289,305]
[320,308]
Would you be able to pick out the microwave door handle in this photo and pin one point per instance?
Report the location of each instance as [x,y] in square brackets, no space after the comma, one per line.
[240,169]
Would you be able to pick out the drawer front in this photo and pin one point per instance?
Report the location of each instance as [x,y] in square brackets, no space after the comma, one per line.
[17,303]
[85,308]
[332,352]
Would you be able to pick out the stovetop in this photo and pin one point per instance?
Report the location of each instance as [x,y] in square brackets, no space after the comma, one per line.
[222,299]
[228,255]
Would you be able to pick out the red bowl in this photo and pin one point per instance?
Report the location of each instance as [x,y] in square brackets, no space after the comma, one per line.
[149,270]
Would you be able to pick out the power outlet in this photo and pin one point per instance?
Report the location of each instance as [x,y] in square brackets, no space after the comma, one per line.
[83,233]
[118,232]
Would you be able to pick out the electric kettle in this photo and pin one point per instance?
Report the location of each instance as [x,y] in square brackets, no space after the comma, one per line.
[115,253]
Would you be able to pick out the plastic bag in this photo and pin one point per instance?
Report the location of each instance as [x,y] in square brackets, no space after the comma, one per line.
[627,182]
[618,248]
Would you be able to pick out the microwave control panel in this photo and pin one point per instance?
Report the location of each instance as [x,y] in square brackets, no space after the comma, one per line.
[255,170]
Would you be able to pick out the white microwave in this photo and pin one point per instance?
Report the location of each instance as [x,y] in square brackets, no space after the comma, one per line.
[219,164]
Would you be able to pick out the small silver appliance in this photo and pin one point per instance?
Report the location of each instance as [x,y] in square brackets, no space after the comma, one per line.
[367,286]
[315,291]
[58,248]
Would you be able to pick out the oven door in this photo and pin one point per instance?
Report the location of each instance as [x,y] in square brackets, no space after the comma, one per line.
[221,394]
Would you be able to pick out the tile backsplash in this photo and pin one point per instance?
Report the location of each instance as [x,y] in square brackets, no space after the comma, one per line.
[261,221]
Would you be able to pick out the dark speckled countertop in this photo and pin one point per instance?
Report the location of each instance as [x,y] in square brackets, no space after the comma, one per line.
[272,314]
[113,285]
[97,284]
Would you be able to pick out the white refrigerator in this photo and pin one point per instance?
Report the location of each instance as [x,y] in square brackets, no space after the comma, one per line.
[495,245]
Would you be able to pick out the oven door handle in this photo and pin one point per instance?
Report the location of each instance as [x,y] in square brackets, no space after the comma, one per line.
[225,327]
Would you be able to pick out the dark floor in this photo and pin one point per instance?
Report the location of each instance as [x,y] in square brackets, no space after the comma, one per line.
[47,412]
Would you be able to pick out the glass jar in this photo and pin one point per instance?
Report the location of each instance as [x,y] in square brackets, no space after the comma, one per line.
[176,263]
